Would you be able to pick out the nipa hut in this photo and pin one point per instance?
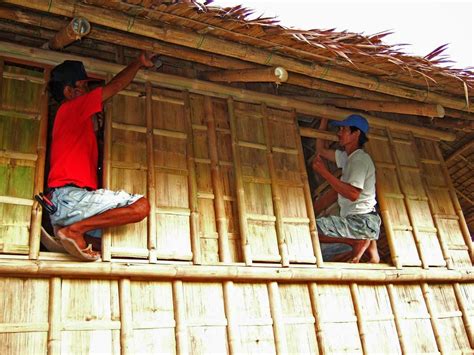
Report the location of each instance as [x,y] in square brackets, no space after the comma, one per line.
[219,139]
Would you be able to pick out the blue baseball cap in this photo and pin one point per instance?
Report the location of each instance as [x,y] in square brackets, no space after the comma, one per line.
[355,121]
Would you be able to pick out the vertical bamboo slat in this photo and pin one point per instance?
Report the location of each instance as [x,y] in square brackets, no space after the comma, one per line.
[36,213]
[179,315]
[192,190]
[151,189]
[395,311]
[230,311]
[433,316]
[360,316]
[239,185]
[316,306]
[307,196]
[54,315]
[107,174]
[416,234]
[2,65]
[280,231]
[465,316]
[216,177]
[278,323]
[388,229]
[126,319]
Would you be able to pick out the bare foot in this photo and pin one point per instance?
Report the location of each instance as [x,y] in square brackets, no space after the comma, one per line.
[67,232]
[373,252]
[358,249]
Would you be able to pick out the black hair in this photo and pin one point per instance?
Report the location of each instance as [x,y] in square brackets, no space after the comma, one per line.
[362,137]
[56,88]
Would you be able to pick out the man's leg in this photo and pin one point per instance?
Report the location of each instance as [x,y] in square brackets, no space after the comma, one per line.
[373,252]
[359,246]
[114,217]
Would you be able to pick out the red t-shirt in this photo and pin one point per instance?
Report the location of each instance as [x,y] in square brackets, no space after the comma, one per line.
[74,153]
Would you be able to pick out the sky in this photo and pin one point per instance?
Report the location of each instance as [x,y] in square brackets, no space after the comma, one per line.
[421,24]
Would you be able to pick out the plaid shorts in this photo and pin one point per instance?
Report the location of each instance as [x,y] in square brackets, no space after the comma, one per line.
[357,226]
[75,204]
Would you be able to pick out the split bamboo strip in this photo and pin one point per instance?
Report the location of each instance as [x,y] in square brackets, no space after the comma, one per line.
[277,316]
[205,42]
[465,315]
[398,324]
[408,206]
[315,133]
[316,308]
[276,194]
[360,317]
[433,317]
[452,192]
[192,183]
[54,316]
[307,195]
[37,213]
[16,201]
[207,88]
[272,75]
[230,311]
[6,154]
[460,151]
[216,178]
[180,317]
[126,318]
[425,185]
[240,192]
[107,174]
[151,179]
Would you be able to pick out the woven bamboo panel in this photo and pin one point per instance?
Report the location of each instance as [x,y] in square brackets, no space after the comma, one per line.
[414,319]
[19,126]
[337,319]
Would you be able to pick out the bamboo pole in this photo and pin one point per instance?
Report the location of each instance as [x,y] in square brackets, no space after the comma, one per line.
[205,42]
[151,179]
[271,75]
[360,317]
[316,309]
[276,193]
[179,316]
[465,314]
[240,192]
[211,89]
[460,151]
[313,231]
[36,211]
[433,317]
[107,174]
[230,311]
[277,316]
[192,182]
[398,323]
[452,192]
[54,316]
[2,68]
[75,30]
[126,317]
[409,209]
[216,178]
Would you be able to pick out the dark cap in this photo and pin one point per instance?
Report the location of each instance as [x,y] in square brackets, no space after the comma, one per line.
[69,72]
[353,120]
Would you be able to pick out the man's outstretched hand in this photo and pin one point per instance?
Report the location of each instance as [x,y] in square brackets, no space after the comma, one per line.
[146,59]
[318,165]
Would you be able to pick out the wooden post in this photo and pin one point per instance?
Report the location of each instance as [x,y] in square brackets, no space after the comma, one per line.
[75,30]
[192,183]
[276,195]
[240,192]
[126,317]
[216,177]
[433,317]
[408,206]
[465,314]
[54,316]
[277,316]
[37,212]
[316,307]
[151,180]
[272,75]
[398,324]
[360,317]
[179,316]
[230,311]
[313,230]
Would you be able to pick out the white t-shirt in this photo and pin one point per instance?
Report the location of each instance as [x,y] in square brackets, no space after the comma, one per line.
[358,170]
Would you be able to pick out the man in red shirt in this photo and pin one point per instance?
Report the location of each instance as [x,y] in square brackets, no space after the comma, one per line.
[81,207]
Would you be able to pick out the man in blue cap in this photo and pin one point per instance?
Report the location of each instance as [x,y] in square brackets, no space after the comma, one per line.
[358,224]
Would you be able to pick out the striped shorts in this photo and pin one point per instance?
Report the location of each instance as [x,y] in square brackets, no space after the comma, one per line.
[357,226]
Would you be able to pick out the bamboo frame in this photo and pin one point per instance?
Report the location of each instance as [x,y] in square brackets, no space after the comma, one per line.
[2,67]
[211,89]
[54,317]
[119,21]
[37,212]
[77,28]
[151,179]
[192,183]
[459,152]
[360,317]
[281,345]
[181,330]
[398,325]
[232,326]
[433,317]
[465,315]
[216,178]
[316,308]
[240,192]
[272,75]
[126,317]
[276,195]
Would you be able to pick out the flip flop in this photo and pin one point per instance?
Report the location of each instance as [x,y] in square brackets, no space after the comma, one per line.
[51,242]
[72,248]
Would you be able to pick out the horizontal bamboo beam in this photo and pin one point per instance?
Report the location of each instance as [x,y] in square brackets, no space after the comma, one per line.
[75,30]
[264,75]
[116,270]
[205,42]
[98,67]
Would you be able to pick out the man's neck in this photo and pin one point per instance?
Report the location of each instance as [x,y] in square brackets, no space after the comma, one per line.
[351,148]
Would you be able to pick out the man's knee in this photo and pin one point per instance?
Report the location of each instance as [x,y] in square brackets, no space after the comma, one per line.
[141,208]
